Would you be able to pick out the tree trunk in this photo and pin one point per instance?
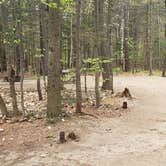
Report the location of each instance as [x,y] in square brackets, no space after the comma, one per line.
[136,40]
[2,50]
[150,39]
[44,37]
[11,72]
[126,38]
[38,68]
[71,44]
[78,65]
[164,67]
[103,47]
[97,73]
[11,76]
[21,66]
[108,73]
[159,45]
[97,92]
[20,54]
[39,89]
[3,107]
[147,44]
[122,40]
[164,61]
[54,65]
[43,60]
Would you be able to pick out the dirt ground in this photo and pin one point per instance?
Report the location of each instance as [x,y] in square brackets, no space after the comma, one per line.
[137,138]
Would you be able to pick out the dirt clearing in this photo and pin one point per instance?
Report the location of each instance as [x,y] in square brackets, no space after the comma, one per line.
[138,138]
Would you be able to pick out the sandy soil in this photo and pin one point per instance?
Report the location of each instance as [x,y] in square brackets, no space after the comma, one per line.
[137,138]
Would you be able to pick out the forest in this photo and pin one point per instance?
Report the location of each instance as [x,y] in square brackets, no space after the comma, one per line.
[82,82]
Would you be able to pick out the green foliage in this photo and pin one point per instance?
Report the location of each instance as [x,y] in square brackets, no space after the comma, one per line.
[27,13]
[2,1]
[49,4]
[38,53]
[70,76]
[65,5]
[95,64]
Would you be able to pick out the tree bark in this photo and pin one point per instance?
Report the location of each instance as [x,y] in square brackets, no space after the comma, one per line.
[122,40]
[10,70]
[11,76]
[54,65]
[126,38]
[21,67]
[150,38]
[78,63]
[164,61]
[108,73]
[97,73]
[19,47]
[3,107]
[44,37]
[71,44]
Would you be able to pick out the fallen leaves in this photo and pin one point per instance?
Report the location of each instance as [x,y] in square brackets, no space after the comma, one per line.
[36,109]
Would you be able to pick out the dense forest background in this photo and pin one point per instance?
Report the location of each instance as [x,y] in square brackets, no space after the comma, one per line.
[55,37]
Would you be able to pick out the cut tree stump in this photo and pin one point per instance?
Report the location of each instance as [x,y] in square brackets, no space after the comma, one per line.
[62,137]
[72,136]
[126,93]
[125,105]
